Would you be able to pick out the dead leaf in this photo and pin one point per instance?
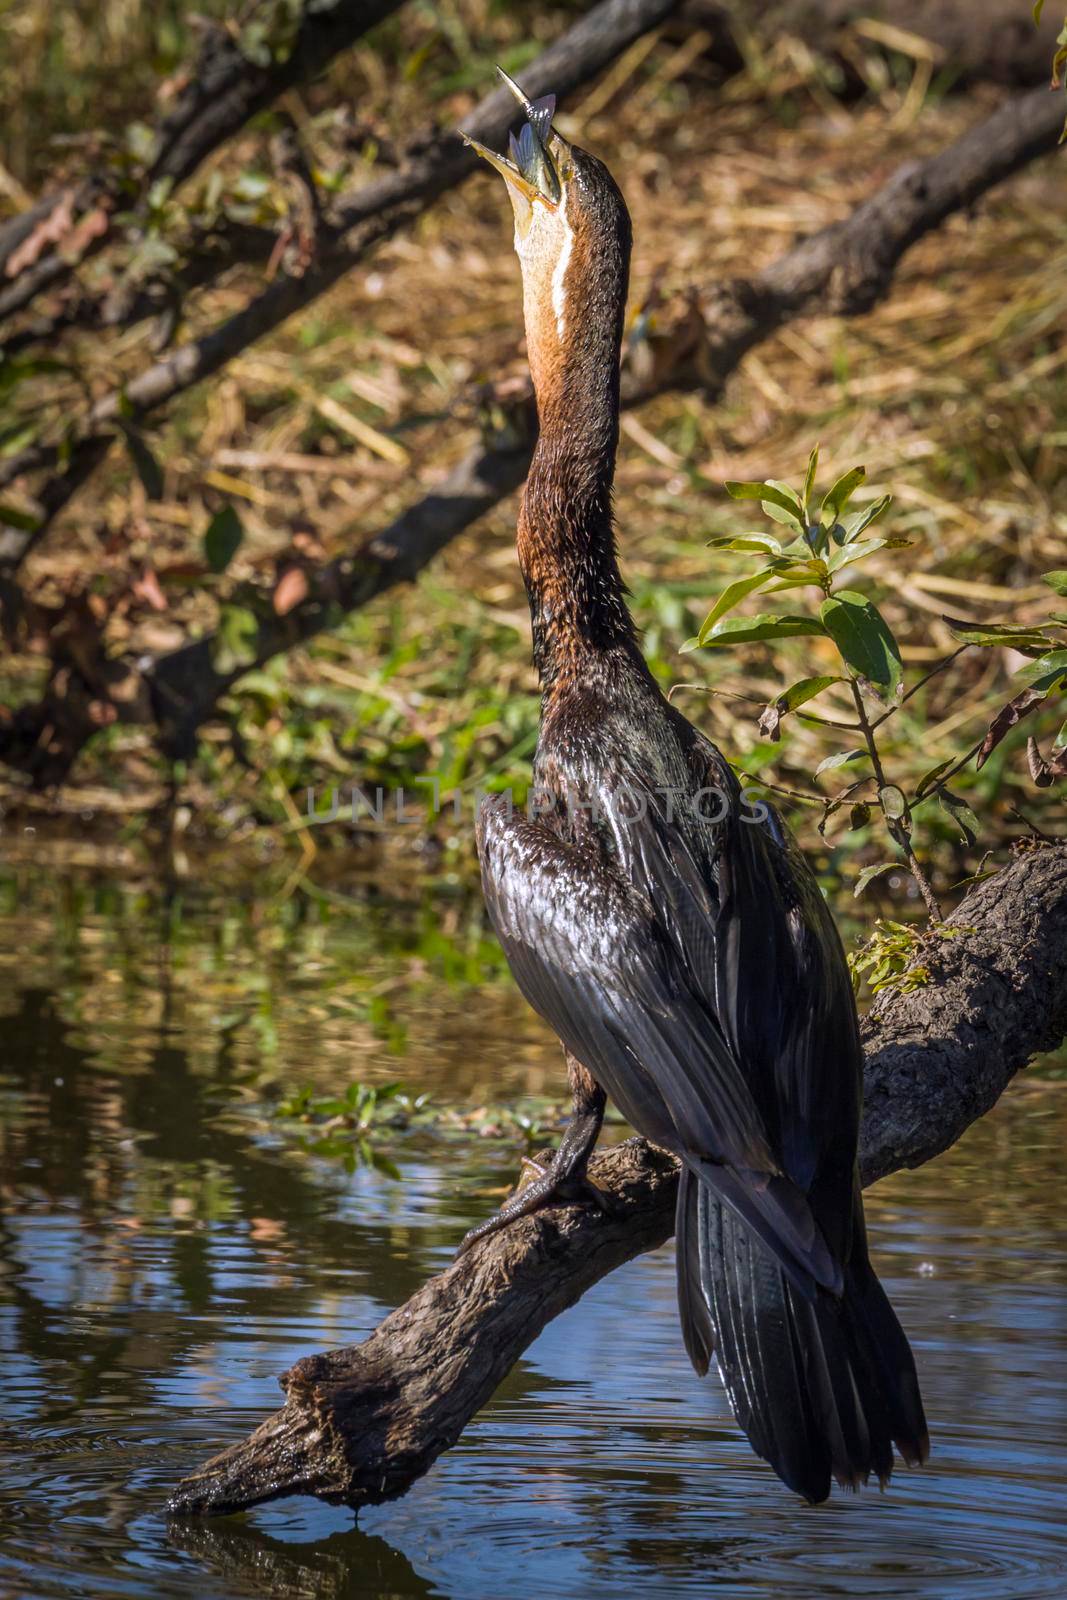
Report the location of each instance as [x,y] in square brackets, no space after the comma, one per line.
[1045,773]
[1006,719]
[770,721]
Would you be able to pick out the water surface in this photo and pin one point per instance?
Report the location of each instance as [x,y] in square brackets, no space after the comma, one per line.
[167,1248]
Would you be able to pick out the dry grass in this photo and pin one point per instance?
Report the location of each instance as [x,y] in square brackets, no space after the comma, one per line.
[953,393]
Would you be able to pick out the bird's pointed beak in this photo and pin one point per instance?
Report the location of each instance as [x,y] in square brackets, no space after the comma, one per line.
[530,172]
[516,182]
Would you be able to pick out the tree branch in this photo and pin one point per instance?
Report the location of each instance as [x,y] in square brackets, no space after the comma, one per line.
[224,88]
[357,224]
[221,91]
[996,42]
[362,1423]
[845,268]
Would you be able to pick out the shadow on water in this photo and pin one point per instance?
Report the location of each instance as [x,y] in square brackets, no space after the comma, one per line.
[166,1250]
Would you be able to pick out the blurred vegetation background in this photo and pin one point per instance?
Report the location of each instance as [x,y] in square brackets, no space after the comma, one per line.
[952,392]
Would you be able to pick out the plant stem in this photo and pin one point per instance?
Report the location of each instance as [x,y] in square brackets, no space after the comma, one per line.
[827,722]
[776,788]
[899,831]
[925,679]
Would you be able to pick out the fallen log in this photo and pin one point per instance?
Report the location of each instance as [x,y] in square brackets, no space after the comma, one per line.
[361,1424]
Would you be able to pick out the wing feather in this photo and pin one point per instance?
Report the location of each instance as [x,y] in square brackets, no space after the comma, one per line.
[588,951]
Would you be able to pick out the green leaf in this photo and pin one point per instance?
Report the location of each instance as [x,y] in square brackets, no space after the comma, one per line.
[853,525]
[1060,741]
[770,494]
[809,479]
[870,873]
[840,760]
[859,815]
[805,690]
[767,625]
[1013,635]
[792,513]
[860,549]
[1056,580]
[1039,6]
[864,639]
[836,499]
[771,717]
[25,521]
[1046,671]
[765,542]
[893,802]
[729,598]
[234,644]
[812,569]
[961,814]
[793,583]
[145,464]
[222,539]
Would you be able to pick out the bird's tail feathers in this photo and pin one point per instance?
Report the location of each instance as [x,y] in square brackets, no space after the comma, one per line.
[822,1386]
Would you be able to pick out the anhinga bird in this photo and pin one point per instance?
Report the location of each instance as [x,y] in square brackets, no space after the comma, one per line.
[680,949]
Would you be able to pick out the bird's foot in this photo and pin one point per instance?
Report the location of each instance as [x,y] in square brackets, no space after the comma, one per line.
[561,1183]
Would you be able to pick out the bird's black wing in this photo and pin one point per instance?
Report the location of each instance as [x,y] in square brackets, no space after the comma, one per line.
[784,1000]
[589,952]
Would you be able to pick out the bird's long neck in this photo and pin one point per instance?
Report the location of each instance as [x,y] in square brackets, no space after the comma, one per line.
[566,537]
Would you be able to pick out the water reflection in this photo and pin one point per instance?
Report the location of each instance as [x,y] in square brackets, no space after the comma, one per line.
[345,1561]
[164,1254]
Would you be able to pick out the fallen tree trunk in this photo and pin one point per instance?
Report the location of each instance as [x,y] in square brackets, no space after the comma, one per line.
[361,1424]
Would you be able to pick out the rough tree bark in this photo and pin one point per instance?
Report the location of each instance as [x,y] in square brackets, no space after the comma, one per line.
[361,1424]
[843,269]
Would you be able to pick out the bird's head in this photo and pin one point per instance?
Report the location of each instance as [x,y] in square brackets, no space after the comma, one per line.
[572,235]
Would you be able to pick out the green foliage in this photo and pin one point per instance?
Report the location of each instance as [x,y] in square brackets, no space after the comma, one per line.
[869,657]
[222,538]
[234,644]
[821,548]
[889,958]
[886,960]
[865,643]
[353,1125]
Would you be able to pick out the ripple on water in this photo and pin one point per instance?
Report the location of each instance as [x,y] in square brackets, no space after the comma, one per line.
[141,1329]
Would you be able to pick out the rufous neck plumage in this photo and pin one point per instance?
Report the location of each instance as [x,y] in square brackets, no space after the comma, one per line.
[575,273]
